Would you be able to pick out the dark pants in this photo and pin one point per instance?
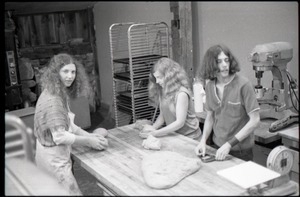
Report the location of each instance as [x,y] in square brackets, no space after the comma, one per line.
[246,155]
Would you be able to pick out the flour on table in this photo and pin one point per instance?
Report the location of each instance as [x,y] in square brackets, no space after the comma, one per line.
[164,169]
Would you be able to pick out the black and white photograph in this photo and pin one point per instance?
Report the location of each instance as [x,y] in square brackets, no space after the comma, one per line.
[151,98]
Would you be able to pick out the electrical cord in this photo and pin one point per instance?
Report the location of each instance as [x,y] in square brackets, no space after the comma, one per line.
[291,76]
[292,89]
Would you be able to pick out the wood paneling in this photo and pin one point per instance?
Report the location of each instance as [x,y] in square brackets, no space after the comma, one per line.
[49,51]
[52,28]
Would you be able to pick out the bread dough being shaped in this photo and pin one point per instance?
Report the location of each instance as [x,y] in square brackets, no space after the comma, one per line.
[139,124]
[164,169]
[151,143]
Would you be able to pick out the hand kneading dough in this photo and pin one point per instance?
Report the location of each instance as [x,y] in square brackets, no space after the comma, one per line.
[164,169]
[139,124]
[151,143]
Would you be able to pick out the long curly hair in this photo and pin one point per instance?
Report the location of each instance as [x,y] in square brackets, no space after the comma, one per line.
[209,67]
[174,76]
[51,81]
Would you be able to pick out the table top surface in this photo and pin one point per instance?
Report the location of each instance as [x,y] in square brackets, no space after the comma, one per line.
[291,133]
[118,168]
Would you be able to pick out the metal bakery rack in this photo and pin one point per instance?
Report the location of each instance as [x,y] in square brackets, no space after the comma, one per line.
[134,48]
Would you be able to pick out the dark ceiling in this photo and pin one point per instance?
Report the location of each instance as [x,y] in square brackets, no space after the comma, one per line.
[20,8]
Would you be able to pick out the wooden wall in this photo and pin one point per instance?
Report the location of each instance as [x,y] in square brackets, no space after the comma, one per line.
[52,28]
[40,36]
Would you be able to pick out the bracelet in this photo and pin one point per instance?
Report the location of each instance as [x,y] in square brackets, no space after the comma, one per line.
[233,141]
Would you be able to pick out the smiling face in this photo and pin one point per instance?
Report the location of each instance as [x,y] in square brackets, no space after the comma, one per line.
[223,65]
[67,74]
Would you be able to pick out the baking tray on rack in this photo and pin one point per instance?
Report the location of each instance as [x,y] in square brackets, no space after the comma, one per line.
[128,104]
[139,59]
[136,95]
[127,101]
[123,76]
[138,110]
[136,100]
[144,109]
[124,109]
[137,76]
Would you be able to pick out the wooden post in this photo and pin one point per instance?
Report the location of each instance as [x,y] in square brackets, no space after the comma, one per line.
[181,34]
[92,40]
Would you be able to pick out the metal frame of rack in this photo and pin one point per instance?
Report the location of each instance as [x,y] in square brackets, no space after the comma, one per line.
[134,48]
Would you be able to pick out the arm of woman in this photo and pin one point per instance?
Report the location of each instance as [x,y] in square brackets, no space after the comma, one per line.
[159,121]
[79,131]
[181,113]
[97,142]
[61,136]
[147,129]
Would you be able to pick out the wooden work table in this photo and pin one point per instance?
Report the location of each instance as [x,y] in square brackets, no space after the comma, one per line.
[118,168]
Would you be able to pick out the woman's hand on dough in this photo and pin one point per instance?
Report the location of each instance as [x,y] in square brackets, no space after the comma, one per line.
[98,142]
[143,135]
[148,128]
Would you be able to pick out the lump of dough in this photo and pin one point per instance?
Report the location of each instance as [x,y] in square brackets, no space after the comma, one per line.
[151,143]
[101,131]
[139,124]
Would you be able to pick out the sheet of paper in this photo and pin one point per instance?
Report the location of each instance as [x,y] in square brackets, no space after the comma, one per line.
[248,174]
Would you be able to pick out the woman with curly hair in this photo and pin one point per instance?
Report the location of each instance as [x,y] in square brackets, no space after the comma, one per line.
[231,106]
[54,127]
[169,88]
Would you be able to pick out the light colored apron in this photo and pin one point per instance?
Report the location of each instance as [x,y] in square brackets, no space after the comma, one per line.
[57,161]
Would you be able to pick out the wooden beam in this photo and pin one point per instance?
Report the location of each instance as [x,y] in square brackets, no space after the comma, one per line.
[181,34]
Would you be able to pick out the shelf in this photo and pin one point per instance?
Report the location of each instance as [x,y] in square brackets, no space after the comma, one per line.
[122,76]
[125,76]
[136,95]
[135,48]
[145,58]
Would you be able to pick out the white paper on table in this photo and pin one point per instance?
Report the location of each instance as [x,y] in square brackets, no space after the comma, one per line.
[248,174]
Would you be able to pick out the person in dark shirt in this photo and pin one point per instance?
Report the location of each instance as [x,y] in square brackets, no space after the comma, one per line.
[231,106]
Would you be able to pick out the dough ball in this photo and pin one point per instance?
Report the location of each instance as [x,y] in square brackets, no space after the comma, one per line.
[139,124]
[101,131]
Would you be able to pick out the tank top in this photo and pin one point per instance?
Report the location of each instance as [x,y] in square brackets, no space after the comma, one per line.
[168,109]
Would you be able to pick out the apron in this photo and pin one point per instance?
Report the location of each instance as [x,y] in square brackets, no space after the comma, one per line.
[57,161]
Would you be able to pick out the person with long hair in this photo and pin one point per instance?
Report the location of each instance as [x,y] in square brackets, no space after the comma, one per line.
[231,106]
[170,89]
[54,126]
